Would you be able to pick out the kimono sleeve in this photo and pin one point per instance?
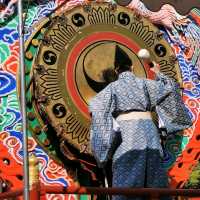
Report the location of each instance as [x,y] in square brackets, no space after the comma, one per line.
[169,105]
[157,90]
[101,132]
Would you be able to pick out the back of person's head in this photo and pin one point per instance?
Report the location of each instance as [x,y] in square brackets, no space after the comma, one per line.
[122,60]
[109,75]
[122,63]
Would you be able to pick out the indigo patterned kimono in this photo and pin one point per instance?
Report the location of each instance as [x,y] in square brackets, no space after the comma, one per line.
[137,154]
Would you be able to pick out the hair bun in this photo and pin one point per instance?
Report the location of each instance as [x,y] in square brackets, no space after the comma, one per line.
[109,75]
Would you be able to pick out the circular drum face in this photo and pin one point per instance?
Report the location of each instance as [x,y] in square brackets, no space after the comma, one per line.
[77,46]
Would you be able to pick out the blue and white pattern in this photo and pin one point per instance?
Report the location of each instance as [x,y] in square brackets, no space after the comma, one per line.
[130,93]
[140,168]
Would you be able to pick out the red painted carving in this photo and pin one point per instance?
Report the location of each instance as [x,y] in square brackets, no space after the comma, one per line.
[11,175]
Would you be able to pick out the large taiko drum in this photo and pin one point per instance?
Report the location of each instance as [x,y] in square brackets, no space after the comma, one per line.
[65,58]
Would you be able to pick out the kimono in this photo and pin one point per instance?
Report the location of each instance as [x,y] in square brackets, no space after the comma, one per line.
[135,149]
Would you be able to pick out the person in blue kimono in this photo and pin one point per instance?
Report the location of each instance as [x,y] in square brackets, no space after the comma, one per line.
[137,155]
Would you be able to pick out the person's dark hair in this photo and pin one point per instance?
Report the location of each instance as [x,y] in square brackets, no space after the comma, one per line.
[122,68]
[109,75]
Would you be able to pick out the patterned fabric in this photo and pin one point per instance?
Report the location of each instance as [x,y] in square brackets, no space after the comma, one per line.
[131,93]
[134,136]
[140,168]
[172,112]
[135,150]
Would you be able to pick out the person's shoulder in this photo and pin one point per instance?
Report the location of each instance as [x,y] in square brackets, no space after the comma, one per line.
[141,79]
[115,83]
[107,89]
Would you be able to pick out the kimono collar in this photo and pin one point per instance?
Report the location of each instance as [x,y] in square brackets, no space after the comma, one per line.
[126,75]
